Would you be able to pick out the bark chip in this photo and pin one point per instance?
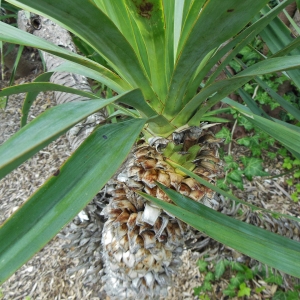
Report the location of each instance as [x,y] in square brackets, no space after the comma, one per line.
[56,173]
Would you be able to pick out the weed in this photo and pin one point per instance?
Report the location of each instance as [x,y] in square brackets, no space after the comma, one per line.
[240,281]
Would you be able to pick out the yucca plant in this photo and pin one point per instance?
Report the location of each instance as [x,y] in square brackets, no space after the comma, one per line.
[159,53]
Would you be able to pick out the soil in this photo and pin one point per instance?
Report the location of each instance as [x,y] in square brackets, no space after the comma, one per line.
[45,276]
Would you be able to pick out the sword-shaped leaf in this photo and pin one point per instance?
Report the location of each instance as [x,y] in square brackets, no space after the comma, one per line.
[228,195]
[65,194]
[119,13]
[277,36]
[47,127]
[229,50]
[269,248]
[30,97]
[287,135]
[204,37]
[94,27]
[221,89]
[149,17]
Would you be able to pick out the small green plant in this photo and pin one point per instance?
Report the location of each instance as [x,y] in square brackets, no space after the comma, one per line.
[258,142]
[237,168]
[293,166]
[239,279]
[213,272]
[260,88]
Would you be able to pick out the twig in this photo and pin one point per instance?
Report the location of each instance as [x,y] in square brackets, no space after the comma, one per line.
[231,137]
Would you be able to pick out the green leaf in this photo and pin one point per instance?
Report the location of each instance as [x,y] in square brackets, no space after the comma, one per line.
[235,66]
[293,295]
[206,286]
[272,155]
[242,121]
[2,102]
[235,175]
[248,273]
[250,102]
[6,16]
[277,279]
[286,133]
[245,141]
[230,162]
[179,157]
[277,37]
[287,163]
[15,66]
[297,174]
[193,151]
[245,238]
[225,87]
[220,269]
[236,266]
[170,32]
[221,183]
[237,279]
[244,290]
[214,120]
[209,276]
[253,167]
[233,16]
[202,264]
[224,133]
[65,194]
[150,19]
[197,290]
[289,295]
[13,35]
[228,195]
[42,87]
[231,49]
[296,162]
[283,103]
[108,41]
[47,127]
[229,291]
[106,76]
[248,54]
[295,196]
[259,289]
[137,102]
[119,13]
[31,96]
[182,29]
